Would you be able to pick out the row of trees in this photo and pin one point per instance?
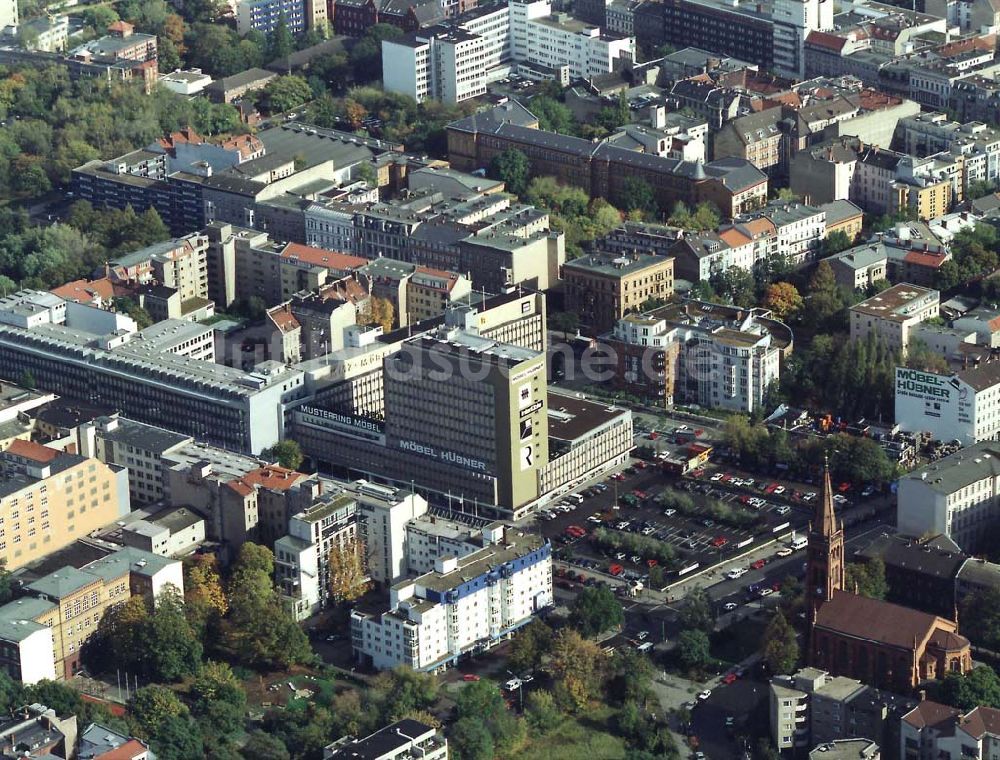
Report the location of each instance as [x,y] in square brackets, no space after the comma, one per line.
[852,458]
[718,511]
[633,543]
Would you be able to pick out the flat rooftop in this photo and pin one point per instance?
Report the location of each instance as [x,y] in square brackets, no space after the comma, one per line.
[515,544]
[614,266]
[571,418]
[895,303]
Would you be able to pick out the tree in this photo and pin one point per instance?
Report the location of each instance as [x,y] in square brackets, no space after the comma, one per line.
[529,646]
[402,691]
[129,307]
[100,17]
[553,116]
[482,701]
[595,610]
[153,706]
[27,380]
[171,649]
[631,674]
[693,649]
[978,687]
[285,93]
[638,195]
[542,711]
[577,667]
[258,629]
[204,599]
[836,242]
[281,42]
[783,299]
[513,168]
[354,113]
[697,612]
[264,746]
[286,453]
[780,646]
[382,314]
[980,616]
[471,740]
[867,578]
[219,700]
[348,579]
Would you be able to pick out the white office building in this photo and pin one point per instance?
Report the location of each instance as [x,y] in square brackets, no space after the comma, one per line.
[963,406]
[455,62]
[793,20]
[465,605]
[958,496]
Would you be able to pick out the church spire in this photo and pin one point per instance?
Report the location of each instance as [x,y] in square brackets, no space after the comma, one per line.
[824,519]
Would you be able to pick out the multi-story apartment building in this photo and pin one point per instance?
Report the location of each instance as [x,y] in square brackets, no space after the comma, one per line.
[49,498]
[734,185]
[264,15]
[142,375]
[497,244]
[928,133]
[603,288]
[716,356]
[122,43]
[62,609]
[465,605]
[933,730]
[812,707]
[302,558]
[891,314]
[962,406]
[956,496]
[861,267]
[401,740]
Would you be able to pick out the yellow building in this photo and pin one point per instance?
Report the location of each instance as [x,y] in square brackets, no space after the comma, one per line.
[926,201]
[49,498]
[41,635]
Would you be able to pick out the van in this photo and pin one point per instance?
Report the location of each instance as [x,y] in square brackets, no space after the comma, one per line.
[575,498]
[799,542]
[644,646]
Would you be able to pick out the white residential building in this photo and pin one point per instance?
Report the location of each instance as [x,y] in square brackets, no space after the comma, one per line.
[958,496]
[465,605]
[405,739]
[891,314]
[933,730]
[454,62]
[302,558]
[383,513]
[962,406]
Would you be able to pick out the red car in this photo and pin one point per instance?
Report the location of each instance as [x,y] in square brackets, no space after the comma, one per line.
[697,473]
[653,435]
[651,563]
[470,677]
[640,465]
[720,541]
[758,564]
[844,487]
[771,488]
[744,499]
[729,678]
[639,494]
[616,570]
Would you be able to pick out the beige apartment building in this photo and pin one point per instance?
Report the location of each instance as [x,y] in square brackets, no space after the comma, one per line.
[49,498]
[891,314]
[602,288]
[42,634]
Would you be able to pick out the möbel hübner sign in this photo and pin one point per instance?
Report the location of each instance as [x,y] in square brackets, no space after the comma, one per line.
[924,385]
[444,455]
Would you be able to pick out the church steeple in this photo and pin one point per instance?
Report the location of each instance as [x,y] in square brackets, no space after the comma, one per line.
[825,564]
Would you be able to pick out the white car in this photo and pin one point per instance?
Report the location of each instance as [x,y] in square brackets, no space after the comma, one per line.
[784,509]
[809,496]
[670,512]
[648,531]
[840,498]
[766,592]
[779,490]
[730,606]
[636,558]
[704,695]
[527,679]
[642,635]
[783,552]
[736,572]
[716,477]
[620,556]
[513,684]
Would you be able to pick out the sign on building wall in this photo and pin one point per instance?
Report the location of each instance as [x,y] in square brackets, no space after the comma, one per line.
[941,405]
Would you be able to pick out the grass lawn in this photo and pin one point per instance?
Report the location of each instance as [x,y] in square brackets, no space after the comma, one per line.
[584,736]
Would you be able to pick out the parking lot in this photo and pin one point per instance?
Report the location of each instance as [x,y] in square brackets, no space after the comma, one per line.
[627,503]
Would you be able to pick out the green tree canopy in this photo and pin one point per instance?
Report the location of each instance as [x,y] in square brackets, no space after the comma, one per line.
[595,610]
[693,649]
[286,453]
[780,646]
[868,578]
[513,169]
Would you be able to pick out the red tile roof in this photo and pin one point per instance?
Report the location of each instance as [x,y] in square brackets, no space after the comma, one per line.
[826,40]
[322,258]
[131,749]
[283,319]
[875,620]
[981,721]
[36,452]
[930,714]
[924,259]
[86,291]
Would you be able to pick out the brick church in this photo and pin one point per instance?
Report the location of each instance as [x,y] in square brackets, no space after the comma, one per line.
[881,644]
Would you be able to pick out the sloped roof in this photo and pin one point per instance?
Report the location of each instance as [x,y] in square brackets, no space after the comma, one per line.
[875,620]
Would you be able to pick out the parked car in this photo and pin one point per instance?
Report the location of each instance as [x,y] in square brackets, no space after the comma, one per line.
[730,606]
[470,677]
[704,695]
